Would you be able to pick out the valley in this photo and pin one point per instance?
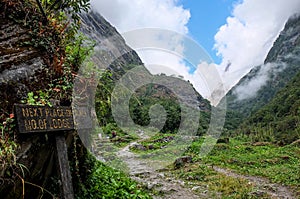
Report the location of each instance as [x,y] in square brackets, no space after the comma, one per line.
[138,135]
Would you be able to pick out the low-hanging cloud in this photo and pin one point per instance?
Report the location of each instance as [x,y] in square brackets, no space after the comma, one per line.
[249,89]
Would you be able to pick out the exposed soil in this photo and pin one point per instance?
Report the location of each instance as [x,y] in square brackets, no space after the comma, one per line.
[262,185]
[161,185]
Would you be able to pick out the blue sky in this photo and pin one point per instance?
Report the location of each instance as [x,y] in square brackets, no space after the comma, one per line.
[206,18]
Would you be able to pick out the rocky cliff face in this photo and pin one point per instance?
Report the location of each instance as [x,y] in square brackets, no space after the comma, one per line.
[23,69]
[261,84]
[111,49]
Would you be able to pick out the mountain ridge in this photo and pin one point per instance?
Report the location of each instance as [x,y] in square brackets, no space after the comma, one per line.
[124,67]
[262,83]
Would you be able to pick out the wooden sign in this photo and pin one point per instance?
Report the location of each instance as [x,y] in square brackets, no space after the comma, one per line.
[32,118]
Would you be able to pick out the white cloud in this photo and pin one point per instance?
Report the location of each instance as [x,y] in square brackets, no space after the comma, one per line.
[144,24]
[243,41]
[206,81]
[249,33]
[167,52]
[256,82]
[136,14]
[161,50]
[153,28]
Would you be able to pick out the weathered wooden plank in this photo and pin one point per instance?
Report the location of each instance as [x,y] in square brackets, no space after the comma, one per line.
[64,168]
[32,118]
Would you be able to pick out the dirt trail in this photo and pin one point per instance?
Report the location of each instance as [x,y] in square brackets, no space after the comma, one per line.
[156,181]
[170,188]
[262,185]
[164,186]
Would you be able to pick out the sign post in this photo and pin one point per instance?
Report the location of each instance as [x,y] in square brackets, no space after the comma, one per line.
[65,174]
[36,119]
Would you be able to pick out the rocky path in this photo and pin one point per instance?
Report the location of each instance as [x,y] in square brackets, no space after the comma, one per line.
[161,185]
[164,186]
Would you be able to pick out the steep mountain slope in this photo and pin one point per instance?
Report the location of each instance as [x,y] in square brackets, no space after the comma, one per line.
[118,61]
[109,41]
[176,104]
[261,84]
[279,120]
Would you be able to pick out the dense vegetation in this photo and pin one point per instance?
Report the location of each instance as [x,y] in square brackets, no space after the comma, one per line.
[102,181]
[279,120]
[145,98]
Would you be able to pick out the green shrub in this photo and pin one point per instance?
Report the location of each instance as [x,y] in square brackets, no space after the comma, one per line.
[105,182]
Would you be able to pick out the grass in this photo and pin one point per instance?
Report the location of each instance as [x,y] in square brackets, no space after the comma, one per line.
[279,164]
[161,149]
[157,141]
[219,185]
[123,140]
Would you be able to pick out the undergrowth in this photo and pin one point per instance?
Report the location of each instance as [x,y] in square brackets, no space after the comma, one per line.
[106,182]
